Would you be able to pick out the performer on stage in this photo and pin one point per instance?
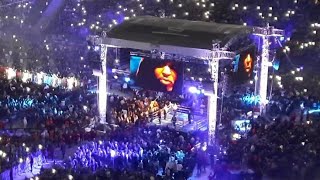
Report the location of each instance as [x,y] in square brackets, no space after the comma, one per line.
[174,120]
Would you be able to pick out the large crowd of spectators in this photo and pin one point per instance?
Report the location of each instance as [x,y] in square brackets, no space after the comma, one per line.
[62,40]
[152,152]
[39,117]
[282,149]
[33,115]
[283,144]
[285,132]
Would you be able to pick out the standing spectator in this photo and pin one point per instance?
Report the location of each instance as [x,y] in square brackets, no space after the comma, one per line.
[25,122]
[159,115]
[31,163]
[63,149]
[174,120]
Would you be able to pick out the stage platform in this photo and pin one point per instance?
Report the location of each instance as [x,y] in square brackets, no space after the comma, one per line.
[199,123]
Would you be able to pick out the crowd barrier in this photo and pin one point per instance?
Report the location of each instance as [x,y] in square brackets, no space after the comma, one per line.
[23,167]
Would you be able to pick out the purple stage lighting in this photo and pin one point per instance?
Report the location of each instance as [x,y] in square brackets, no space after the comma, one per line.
[112,153]
[127,79]
[194,90]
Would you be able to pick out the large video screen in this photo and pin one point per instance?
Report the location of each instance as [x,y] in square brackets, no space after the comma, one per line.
[244,65]
[156,74]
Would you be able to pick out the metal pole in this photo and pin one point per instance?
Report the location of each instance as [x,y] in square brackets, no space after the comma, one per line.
[264,73]
[103,94]
[212,101]
[217,54]
[265,34]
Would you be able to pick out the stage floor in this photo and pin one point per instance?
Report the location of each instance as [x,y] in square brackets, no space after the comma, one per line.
[199,123]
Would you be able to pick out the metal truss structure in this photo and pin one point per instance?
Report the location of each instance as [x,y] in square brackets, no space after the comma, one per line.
[212,56]
[263,73]
[217,55]
[103,86]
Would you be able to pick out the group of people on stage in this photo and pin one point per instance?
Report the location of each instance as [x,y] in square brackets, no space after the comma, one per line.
[139,109]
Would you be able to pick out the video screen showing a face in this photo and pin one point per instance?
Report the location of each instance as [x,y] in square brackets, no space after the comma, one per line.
[244,65]
[157,75]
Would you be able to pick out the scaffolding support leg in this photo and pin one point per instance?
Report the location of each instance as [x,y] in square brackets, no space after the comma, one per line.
[264,70]
[103,86]
[212,102]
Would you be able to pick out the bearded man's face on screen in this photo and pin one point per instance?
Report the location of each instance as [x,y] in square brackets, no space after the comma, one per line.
[248,63]
[166,75]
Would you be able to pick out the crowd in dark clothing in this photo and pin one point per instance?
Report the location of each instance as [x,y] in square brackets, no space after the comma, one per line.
[54,117]
[285,140]
[138,110]
[283,144]
[62,41]
[267,149]
[282,149]
[151,152]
